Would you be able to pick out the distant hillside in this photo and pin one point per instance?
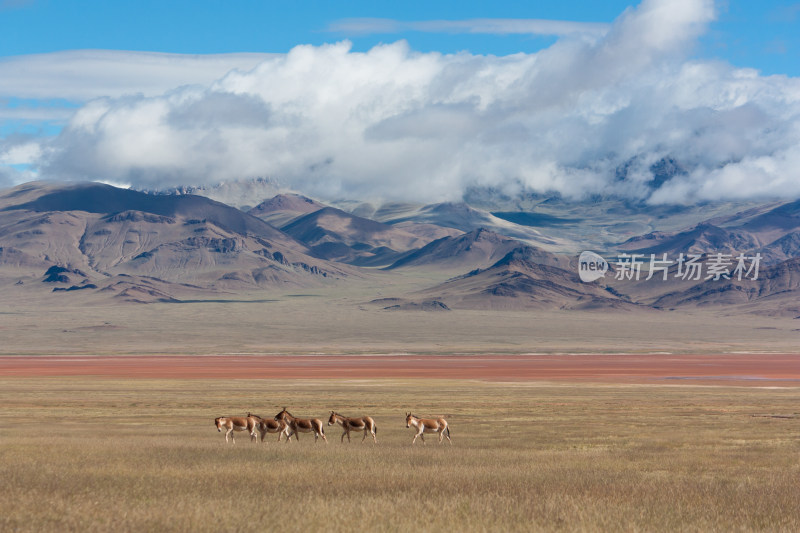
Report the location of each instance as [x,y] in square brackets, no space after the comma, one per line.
[103,232]
[703,238]
[460,216]
[97,198]
[283,208]
[519,281]
[82,241]
[775,291]
[477,249]
[772,232]
[336,235]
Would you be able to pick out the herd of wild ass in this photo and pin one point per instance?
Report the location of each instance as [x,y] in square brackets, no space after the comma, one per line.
[284,423]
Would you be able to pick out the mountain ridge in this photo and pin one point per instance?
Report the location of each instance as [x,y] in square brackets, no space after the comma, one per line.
[153,248]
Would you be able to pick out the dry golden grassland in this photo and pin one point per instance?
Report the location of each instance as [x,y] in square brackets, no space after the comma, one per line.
[128,455]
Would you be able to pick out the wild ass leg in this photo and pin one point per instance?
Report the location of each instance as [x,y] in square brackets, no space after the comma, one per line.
[321,433]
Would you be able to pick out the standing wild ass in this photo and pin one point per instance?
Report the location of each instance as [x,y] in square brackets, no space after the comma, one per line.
[302,425]
[268,425]
[236,423]
[431,425]
[363,423]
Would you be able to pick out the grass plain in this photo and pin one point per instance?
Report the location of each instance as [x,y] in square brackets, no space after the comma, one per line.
[341,320]
[88,454]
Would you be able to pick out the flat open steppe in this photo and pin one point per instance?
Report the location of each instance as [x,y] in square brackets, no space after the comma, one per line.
[96,454]
[341,320]
[561,421]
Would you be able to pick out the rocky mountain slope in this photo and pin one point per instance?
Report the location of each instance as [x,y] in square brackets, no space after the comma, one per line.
[104,232]
[96,240]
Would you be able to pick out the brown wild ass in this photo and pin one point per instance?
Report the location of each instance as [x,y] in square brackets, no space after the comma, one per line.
[236,423]
[363,423]
[268,425]
[302,425]
[431,425]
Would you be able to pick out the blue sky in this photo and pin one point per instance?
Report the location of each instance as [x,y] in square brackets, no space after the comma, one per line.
[393,99]
[764,35]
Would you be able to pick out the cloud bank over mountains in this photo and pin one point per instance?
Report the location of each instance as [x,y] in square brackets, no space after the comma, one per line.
[624,112]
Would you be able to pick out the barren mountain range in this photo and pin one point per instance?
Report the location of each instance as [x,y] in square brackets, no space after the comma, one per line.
[485,253]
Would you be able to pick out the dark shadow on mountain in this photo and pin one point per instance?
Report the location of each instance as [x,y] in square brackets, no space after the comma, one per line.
[105,199]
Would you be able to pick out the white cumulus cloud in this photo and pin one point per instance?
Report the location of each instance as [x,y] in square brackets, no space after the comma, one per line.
[603,114]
